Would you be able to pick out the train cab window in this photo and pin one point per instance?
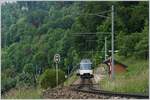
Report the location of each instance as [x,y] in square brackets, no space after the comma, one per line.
[85,66]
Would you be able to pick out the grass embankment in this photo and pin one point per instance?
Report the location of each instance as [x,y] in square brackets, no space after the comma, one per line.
[23,93]
[70,80]
[31,92]
[135,80]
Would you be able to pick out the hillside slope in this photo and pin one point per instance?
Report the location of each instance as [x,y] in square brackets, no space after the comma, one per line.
[134,80]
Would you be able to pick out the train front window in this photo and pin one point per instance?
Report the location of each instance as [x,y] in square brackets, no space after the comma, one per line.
[85,66]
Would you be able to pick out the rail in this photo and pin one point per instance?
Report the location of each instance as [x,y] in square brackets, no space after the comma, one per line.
[90,89]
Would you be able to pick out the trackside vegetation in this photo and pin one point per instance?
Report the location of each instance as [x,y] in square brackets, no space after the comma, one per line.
[71,80]
[32,32]
[48,78]
[135,80]
[23,93]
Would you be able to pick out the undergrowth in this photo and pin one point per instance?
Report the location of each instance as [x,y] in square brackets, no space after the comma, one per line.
[23,93]
[135,80]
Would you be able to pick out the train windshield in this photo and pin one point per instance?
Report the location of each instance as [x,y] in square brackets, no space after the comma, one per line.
[85,66]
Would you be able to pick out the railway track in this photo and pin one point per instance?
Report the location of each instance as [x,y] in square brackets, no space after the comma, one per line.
[89,88]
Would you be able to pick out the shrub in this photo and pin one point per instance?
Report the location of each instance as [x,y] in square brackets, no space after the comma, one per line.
[7,84]
[25,79]
[29,68]
[48,78]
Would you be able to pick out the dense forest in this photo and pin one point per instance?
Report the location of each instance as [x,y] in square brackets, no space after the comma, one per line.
[33,31]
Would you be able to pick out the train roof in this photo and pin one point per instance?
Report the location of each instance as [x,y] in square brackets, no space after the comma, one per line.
[85,61]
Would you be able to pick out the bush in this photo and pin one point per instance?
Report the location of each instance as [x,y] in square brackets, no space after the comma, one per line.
[7,84]
[25,79]
[48,78]
[29,68]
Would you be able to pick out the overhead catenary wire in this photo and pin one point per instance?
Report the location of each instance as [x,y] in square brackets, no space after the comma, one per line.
[90,33]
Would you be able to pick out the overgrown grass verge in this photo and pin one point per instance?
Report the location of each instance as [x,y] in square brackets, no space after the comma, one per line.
[71,80]
[23,93]
[135,80]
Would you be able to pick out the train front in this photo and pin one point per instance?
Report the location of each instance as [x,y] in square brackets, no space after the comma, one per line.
[85,69]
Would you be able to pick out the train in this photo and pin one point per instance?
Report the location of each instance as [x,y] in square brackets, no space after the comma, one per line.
[85,69]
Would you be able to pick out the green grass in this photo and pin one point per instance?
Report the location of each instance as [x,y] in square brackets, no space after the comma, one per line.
[30,92]
[22,93]
[71,80]
[133,81]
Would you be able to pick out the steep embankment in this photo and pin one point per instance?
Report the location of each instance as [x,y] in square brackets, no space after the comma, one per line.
[133,81]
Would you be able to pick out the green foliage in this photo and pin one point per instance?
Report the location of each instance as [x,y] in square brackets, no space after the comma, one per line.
[48,78]
[29,73]
[125,82]
[142,46]
[32,32]
[25,79]
[7,84]
[71,79]
[39,59]
[23,93]
[29,68]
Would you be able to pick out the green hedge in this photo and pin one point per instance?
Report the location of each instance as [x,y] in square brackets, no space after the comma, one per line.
[48,78]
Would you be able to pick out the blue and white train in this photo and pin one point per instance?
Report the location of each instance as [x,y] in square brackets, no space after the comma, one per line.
[85,69]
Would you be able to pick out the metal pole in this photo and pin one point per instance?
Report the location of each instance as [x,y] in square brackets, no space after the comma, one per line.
[112,29]
[68,71]
[105,47]
[57,74]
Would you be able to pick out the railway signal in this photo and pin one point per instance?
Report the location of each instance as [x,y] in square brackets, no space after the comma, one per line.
[57,60]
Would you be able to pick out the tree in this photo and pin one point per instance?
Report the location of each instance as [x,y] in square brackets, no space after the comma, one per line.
[33,31]
[31,70]
[39,61]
